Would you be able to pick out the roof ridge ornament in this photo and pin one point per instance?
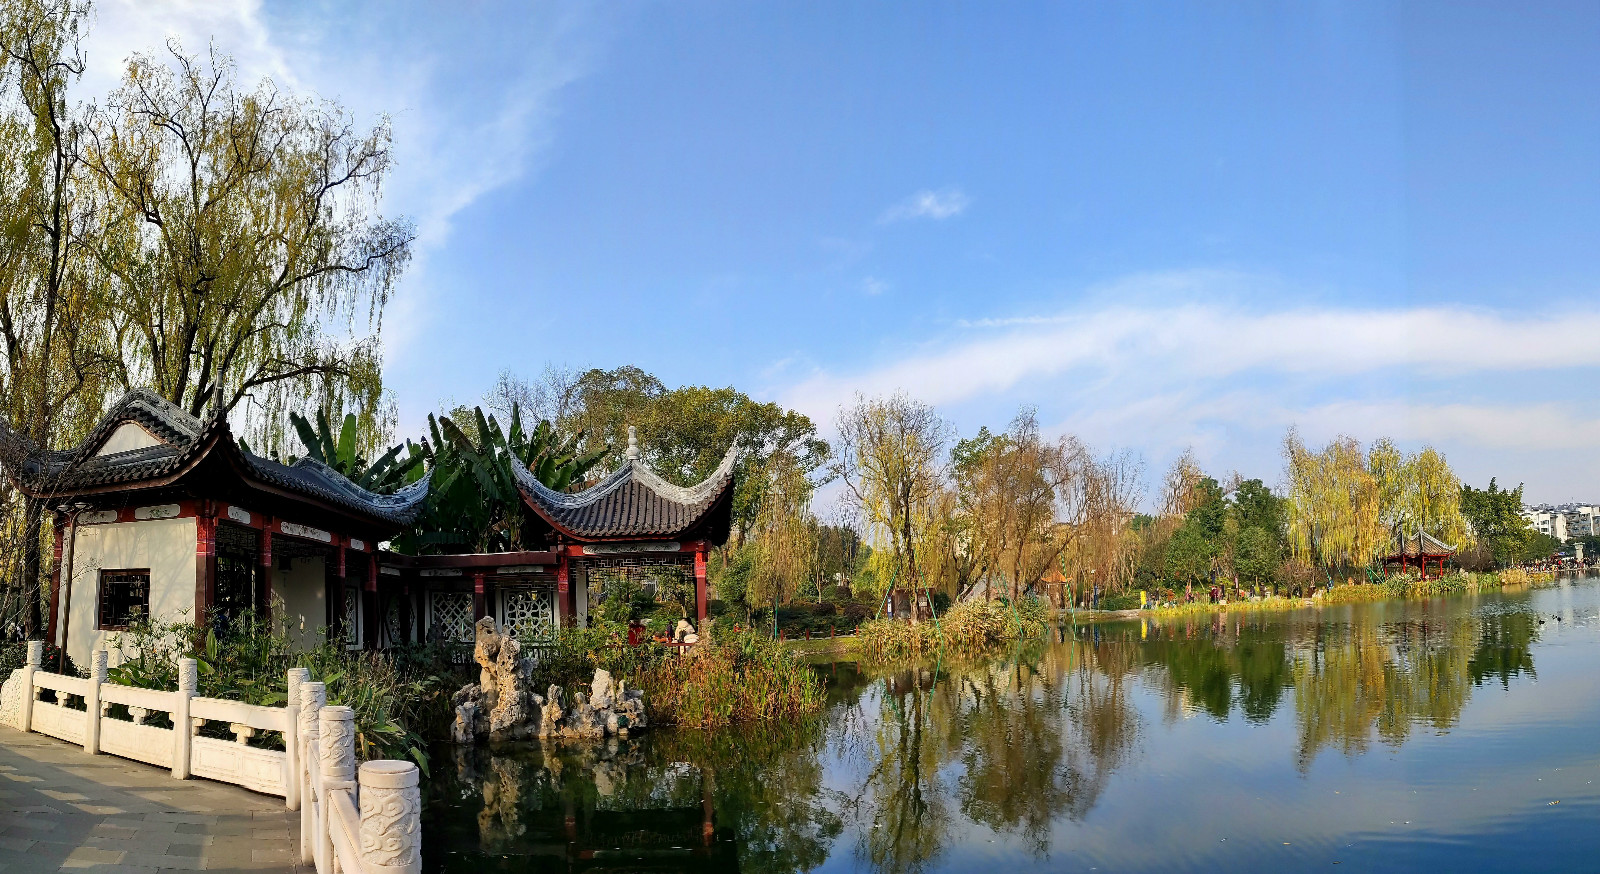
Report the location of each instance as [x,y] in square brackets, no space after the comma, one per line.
[633,443]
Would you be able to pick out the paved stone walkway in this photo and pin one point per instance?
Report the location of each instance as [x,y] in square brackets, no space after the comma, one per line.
[62,810]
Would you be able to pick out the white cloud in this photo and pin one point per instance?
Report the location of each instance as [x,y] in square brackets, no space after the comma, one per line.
[1228,378]
[461,131]
[123,27]
[936,205]
[1208,342]
[872,286]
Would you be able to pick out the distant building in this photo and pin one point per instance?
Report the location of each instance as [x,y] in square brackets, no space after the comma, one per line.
[1564,522]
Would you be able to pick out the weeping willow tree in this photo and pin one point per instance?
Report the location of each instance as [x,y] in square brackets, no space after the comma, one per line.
[241,242]
[1345,508]
[784,536]
[888,460]
[1334,507]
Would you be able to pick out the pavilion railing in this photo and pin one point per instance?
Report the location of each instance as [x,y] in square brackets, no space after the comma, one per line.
[365,820]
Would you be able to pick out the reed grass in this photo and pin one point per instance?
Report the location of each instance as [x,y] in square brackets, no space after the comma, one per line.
[969,627]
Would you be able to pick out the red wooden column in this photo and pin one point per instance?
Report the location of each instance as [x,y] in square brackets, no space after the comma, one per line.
[264,590]
[55,583]
[700,588]
[370,621]
[480,598]
[205,562]
[564,594]
[333,581]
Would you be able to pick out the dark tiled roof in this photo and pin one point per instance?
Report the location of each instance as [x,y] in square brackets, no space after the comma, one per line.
[186,440]
[632,502]
[1421,543]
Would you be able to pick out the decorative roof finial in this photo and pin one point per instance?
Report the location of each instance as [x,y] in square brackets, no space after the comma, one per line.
[633,443]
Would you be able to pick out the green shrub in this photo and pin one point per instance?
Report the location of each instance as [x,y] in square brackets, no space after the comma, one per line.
[969,627]
[398,695]
[744,677]
[1120,601]
[14,654]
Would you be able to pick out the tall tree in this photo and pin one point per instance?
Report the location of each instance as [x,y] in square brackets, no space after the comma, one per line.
[56,355]
[242,241]
[1333,504]
[888,460]
[1495,517]
[1023,495]
[683,431]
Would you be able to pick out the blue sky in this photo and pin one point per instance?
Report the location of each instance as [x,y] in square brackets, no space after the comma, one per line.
[1166,226]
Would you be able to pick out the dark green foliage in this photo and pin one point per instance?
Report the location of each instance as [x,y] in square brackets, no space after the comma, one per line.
[1196,544]
[399,695]
[1120,601]
[14,654]
[1495,517]
[1540,546]
[384,476]
[474,504]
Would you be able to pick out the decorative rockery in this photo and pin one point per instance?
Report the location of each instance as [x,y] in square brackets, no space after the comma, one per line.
[502,706]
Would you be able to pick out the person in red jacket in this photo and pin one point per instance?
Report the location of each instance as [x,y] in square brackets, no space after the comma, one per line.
[635,632]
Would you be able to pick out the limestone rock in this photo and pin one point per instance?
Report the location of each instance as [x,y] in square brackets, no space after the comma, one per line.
[515,712]
[600,691]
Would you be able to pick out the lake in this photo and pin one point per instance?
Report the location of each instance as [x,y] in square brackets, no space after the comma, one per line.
[1458,733]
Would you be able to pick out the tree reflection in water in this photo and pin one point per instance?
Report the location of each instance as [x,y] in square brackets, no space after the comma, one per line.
[911,761]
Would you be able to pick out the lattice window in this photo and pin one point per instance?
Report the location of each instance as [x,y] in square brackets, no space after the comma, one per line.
[529,613]
[352,616]
[658,575]
[450,616]
[391,623]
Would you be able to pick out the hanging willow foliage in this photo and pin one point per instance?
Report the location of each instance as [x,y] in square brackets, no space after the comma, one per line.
[1346,507]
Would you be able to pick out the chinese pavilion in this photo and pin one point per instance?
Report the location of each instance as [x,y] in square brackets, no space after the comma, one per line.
[160,514]
[1418,550]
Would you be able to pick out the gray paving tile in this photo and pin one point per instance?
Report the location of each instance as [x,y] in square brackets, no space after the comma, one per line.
[61,810]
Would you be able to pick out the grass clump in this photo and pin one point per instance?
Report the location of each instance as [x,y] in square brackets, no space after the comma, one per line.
[740,678]
[969,627]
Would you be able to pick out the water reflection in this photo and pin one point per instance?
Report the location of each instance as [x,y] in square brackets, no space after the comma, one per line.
[912,769]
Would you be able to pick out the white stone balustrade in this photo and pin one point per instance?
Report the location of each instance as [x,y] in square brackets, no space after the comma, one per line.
[365,821]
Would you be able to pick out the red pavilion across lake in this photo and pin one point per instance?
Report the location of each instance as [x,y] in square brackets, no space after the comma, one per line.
[1418,550]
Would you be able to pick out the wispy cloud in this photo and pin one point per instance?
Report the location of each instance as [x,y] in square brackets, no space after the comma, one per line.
[937,205]
[873,286]
[1226,377]
[1201,341]
[460,134]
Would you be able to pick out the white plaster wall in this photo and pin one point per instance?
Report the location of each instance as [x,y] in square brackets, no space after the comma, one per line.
[303,592]
[128,436]
[165,546]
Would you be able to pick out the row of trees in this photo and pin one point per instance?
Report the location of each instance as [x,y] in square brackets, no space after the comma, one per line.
[218,242]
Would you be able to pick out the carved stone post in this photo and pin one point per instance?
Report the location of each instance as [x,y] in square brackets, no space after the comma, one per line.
[336,725]
[29,694]
[91,712]
[312,698]
[391,817]
[182,725]
[291,737]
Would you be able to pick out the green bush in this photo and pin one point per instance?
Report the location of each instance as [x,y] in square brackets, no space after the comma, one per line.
[969,627]
[399,695]
[14,654]
[745,677]
[1120,601]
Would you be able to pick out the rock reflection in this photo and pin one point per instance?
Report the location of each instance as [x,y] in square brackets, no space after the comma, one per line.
[672,801]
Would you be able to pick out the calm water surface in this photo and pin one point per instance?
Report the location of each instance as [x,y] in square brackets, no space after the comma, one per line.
[1460,733]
